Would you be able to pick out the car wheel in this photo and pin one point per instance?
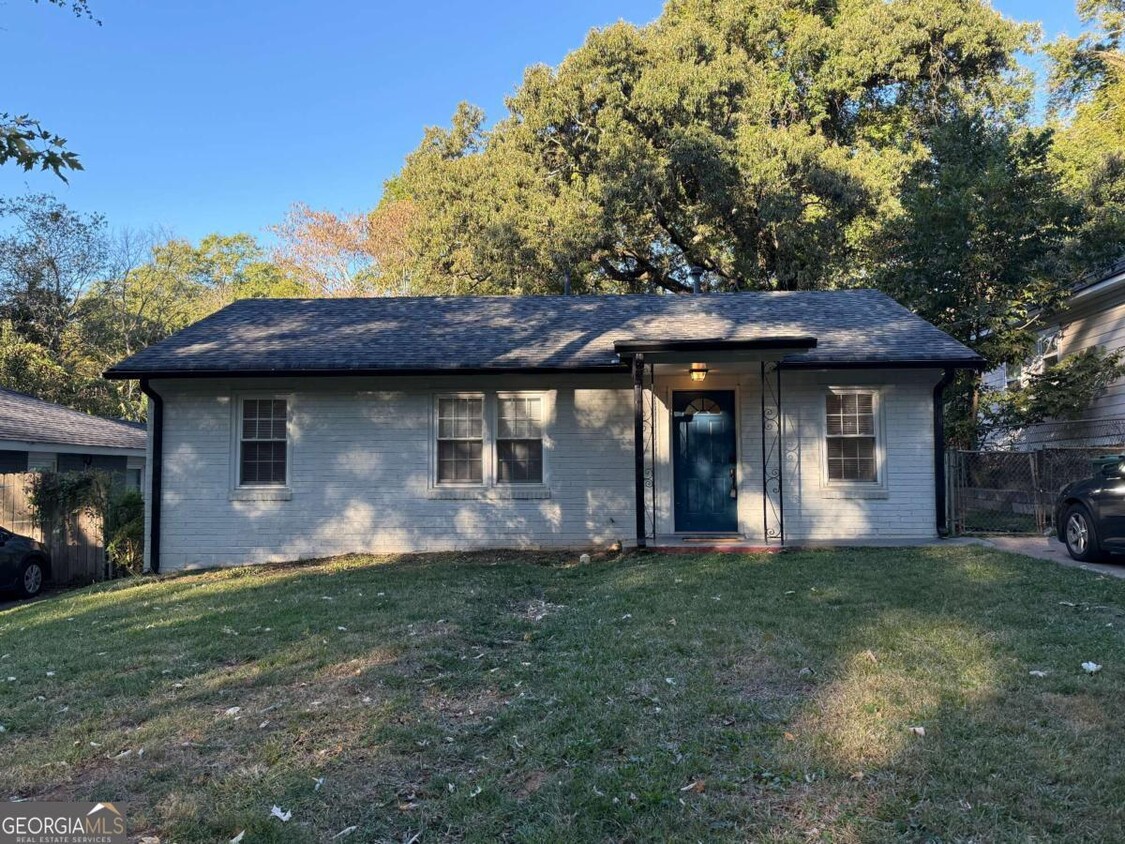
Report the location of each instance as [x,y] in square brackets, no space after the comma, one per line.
[31,578]
[1080,535]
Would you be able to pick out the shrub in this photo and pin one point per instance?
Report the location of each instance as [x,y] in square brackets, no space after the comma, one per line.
[125,531]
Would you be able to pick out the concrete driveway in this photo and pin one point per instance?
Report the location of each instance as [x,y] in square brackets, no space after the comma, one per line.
[1049,548]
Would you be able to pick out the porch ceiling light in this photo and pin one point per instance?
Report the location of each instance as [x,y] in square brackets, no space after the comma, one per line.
[698,371]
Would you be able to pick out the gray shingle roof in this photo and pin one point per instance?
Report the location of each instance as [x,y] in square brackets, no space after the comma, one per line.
[25,418]
[542,332]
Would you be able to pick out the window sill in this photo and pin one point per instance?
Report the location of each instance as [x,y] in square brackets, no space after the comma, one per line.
[277,493]
[494,493]
[847,491]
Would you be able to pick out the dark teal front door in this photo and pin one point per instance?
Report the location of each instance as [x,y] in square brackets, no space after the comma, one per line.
[703,461]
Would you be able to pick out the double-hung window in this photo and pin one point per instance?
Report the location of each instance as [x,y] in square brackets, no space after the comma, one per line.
[851,436]
[460,440]
[519,439]
[491,440]
[263,442]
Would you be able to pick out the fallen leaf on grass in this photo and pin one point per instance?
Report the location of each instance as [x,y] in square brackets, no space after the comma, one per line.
[276,812]
[696,787]
[857,776]
[234,710]
[869,655]
[1037,673]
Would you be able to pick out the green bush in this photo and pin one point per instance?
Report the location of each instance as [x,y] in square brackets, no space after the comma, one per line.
[125,531]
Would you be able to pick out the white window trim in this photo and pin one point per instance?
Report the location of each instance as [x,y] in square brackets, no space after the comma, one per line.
[485,450]
[544,411]
[258,492]
[856,489]
[490,487]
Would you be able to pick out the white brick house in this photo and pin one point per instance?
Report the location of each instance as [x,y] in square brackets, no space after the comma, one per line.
[287,429]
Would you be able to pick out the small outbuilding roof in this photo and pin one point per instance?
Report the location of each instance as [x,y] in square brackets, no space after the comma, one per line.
[28,420]
[538,333]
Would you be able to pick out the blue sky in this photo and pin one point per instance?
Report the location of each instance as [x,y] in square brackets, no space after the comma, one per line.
[216,115]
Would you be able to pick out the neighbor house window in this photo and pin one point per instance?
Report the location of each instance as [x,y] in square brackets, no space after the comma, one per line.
[519,440]
[851,447]
[263,442]
[460,440]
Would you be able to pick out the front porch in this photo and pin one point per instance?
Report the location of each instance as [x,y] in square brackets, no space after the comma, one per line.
[710,442]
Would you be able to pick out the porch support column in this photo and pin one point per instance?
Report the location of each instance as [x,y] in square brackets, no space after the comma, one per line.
[773,455]
[639,445]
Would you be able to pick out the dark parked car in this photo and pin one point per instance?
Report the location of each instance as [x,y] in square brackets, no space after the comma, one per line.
[24,564]
[1090,514]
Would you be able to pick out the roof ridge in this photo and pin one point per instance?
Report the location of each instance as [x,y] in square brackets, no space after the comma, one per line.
[670,297]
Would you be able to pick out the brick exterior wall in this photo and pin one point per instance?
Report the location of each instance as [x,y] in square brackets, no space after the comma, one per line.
[361,478]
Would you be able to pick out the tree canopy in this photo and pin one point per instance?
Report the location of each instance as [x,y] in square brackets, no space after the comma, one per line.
[765,142]
[769,144]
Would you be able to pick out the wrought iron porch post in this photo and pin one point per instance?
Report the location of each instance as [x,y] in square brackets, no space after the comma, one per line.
[639,445]
[773,455]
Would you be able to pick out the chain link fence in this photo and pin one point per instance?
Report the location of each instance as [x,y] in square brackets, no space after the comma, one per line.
[1014,491]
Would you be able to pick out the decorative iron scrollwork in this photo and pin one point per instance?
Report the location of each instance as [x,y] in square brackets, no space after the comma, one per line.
[775,455]
[650,425]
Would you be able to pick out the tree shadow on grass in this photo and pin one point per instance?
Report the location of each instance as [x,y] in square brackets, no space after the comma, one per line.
[483,699]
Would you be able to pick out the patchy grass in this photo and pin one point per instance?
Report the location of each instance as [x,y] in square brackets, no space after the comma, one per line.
[515,697]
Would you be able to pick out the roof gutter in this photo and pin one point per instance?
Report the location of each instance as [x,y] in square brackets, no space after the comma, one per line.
[157,474]
[116,374]
[977,364]
[628,348]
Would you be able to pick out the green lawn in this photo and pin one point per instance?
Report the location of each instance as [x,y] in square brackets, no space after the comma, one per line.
[520,697]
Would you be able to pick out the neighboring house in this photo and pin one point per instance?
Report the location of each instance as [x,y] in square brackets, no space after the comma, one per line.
[1093,317]
[36,434]
[284,429]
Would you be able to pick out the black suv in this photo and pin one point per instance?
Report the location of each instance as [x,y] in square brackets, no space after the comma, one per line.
[24,564]
[1090,514]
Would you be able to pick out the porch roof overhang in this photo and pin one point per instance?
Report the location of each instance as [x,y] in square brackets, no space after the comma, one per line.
[716,350]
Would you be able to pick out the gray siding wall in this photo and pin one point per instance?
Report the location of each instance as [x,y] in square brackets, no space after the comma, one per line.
[1103,326]
[79,462]
[361,477]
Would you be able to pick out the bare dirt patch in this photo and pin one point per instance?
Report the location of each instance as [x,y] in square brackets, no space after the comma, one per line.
[537,610]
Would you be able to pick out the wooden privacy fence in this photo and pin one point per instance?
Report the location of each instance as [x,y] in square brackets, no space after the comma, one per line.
[77,550]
